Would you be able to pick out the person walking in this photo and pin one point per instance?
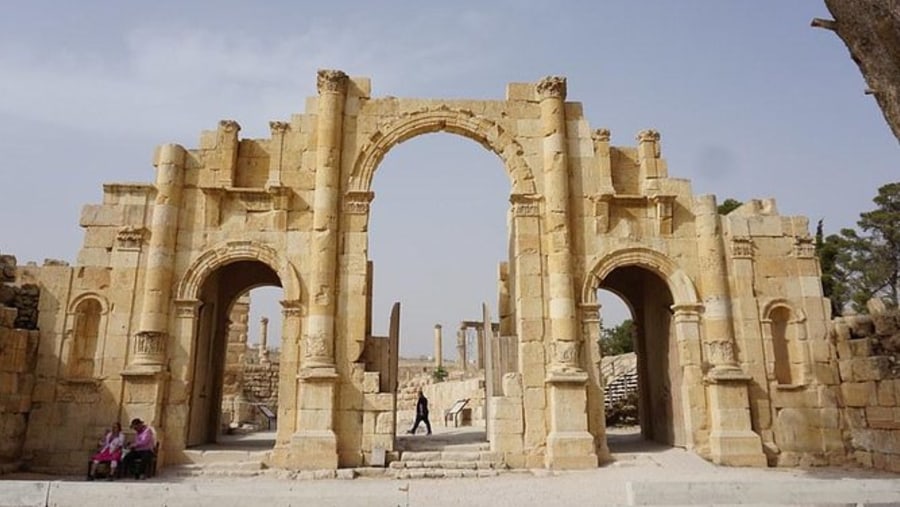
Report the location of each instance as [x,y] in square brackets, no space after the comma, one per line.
[421,414]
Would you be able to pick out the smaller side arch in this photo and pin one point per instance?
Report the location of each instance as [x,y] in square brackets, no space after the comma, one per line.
[797,313]
[77,300]
[233,251]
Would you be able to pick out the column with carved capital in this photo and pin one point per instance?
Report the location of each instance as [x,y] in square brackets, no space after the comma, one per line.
[591,356]
[569,445]
[732,440]
[438,347]
[149,343]
[314,444]
[278,130]
[461,353]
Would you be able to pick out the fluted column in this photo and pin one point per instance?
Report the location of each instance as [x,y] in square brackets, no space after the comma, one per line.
[438,347]
[552,95]
[461,348]
[319,347]
[149,345]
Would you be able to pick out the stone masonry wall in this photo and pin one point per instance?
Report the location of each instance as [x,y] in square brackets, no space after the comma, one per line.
[18,353]
[868,348]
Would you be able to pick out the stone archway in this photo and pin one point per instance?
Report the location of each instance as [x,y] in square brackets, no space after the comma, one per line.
[667,312]
[205,294]
[443,119]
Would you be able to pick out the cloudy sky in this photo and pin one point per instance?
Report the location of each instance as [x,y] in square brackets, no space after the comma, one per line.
[750,101]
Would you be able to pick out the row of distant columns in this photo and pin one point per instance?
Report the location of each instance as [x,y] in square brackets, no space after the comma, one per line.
[461,346]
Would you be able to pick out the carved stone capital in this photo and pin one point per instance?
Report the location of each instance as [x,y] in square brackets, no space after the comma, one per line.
[565,354]
[130,238]
[331,81]
[804,247]
[721,353]
[229,126]
[149,348]
[647,135]
[358,203]
[279,127]
[187,308]
[315,351]
[551,87]
[291,308]
[525,205]
[601,135]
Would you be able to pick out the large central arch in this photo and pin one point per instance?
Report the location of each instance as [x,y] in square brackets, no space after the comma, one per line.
[443,119]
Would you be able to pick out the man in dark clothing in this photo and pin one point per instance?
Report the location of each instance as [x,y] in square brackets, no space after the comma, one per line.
[421,414]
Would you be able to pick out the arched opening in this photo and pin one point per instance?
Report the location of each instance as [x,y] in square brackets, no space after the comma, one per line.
[222,327]
[436,239]
[657,367]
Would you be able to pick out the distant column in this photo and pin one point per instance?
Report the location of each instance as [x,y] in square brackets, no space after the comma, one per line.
[461,347]
[438,347]
[479,359]
[263,340]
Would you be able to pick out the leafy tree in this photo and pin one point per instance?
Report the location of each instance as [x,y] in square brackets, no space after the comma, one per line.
[728,206]
[857,266]
[439,374]
[617,340]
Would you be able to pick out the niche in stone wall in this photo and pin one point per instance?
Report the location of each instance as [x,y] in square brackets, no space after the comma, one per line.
[784,332]
[83,339]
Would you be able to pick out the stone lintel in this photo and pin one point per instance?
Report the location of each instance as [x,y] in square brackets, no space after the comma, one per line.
[145,370]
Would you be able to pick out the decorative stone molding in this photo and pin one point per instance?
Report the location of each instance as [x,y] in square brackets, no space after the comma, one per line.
[130,238]
[721,352]
[187,308]
[358,203]
[331,81]
[590,312]
[149,348]
[291,308]
[565,354]
[525,205]
[742,248]
[551,87]
[665,213]
[601,135]
[804,247]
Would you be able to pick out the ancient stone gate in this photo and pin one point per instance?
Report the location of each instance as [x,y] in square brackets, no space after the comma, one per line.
[729,308]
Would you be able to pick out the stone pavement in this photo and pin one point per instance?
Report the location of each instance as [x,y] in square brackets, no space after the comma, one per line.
[642,474]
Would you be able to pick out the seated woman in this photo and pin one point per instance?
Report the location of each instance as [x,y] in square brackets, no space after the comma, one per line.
[110,451]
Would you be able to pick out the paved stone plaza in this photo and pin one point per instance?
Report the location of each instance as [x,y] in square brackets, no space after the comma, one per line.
[643,474]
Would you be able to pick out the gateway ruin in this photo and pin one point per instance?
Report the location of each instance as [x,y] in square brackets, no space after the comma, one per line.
[735,360]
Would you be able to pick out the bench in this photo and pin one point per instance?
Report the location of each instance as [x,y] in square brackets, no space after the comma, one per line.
[271,417]
[455,411]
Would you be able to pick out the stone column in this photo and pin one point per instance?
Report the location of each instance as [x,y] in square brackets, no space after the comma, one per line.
[461,348]
[591,356]
[569,444]
[314,444]
[732,440]
[438,347]
[479,345]
[263,340]
[149,345]
[319,347]
[278,130]
[552,94]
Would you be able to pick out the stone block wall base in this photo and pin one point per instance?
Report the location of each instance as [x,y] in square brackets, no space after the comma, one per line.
[736,448]
[570,451]
[310,450]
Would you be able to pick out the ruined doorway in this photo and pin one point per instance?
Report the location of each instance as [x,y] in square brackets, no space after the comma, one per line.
[218,295]
[657,366]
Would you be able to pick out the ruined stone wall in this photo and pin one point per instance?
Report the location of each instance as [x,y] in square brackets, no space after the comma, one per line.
[261,387]
[18,353]
[868,349]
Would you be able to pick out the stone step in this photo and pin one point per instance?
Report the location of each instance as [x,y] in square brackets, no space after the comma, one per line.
[443,473]
[461,461]
[200,457]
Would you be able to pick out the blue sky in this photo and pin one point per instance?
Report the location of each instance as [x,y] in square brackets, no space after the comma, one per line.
[750,102]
